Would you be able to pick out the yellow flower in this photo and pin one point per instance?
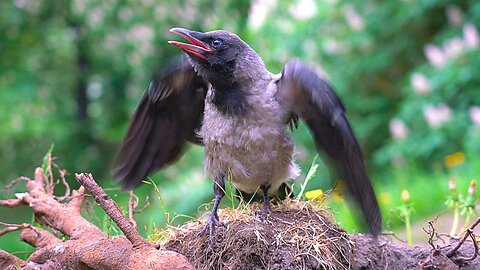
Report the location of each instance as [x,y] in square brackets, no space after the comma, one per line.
[314,195]
[454,159]
[405,196]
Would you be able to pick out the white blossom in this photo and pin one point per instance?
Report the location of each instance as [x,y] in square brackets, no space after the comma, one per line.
[470,36]
[398,129]
[303,9]
[436,116]
[20,3]
[95,17]
[141,32]
[420,83]
[453,47]
[79,6]
[28,5]
[142,36]
[434,55]
[94,88]
[474,113]
[353,19]
[259,11]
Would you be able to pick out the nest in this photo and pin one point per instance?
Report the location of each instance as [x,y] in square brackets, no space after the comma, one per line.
[297,235]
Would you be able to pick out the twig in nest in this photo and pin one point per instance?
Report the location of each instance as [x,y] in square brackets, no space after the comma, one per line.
[111,209]
[132,204]
[16,181]
[62,178]
[433,259]
[147,204]
[475,245]
[432,233]
[468,233]
[50,182]
[13,227]
[10,203]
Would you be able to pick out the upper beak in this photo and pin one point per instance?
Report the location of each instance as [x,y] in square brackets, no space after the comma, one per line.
[196,46]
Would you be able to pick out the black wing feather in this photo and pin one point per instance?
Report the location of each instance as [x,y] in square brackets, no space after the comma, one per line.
[167,116]
[304,93]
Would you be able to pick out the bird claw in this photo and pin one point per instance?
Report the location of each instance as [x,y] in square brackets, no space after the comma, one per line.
[263,216]
[264,213]
[212,221]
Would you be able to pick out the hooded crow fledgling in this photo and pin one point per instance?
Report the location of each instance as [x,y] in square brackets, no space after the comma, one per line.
[224,98]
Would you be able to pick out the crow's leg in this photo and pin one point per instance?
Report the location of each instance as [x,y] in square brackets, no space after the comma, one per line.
[212,220]
[266,202]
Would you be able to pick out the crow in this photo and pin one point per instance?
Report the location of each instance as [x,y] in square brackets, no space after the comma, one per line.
[221,95]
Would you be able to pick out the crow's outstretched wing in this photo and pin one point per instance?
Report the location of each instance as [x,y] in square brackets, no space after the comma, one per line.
[167,116]
[304,93]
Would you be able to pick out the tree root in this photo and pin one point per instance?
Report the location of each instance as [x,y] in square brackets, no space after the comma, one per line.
[86,247]
[453,254]
[452,258]
[68,241]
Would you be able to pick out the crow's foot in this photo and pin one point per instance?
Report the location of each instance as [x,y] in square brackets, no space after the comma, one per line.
[265,212]
[212,221]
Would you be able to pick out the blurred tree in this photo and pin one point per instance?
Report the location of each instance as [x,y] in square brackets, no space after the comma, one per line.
[71,72]
[376,53]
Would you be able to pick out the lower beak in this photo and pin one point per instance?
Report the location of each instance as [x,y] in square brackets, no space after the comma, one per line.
[195,47]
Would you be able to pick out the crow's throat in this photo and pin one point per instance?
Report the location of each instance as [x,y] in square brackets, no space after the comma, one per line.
[228,95]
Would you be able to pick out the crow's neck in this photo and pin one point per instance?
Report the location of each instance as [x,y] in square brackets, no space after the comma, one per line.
[230,98]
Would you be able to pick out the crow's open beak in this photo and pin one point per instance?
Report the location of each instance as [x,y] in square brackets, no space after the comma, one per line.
[195,47]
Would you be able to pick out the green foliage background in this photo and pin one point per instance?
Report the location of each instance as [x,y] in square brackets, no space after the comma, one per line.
[71,73]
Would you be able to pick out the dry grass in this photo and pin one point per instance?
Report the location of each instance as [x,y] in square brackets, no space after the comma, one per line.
[297,235]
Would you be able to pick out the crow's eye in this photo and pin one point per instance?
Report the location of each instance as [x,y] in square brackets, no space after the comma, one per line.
[217,43]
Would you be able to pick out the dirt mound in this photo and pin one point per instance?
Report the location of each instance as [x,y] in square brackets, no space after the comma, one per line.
[296,235]
[299,235]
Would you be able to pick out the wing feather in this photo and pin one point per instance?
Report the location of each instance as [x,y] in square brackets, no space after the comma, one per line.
[303,92]
[167,116]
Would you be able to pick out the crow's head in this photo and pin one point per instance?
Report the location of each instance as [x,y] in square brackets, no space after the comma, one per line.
[219,56]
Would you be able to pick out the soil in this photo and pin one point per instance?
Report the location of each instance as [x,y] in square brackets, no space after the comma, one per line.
[297,235]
